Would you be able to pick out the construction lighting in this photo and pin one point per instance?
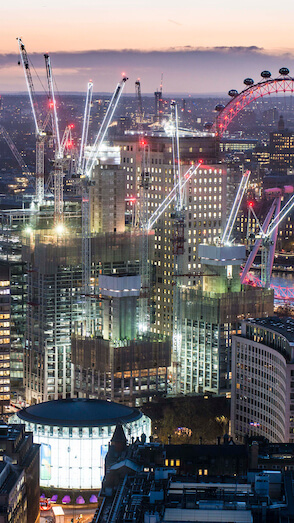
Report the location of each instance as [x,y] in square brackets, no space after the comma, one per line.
[60,229]
[28,229]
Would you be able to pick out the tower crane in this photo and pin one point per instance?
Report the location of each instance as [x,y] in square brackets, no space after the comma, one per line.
[104,126]
[235,209]
[86,183]
[140,105]
[85,131]
[147,226]
[39,128]
[172,194]
[66,146]
[59,151]
[178,244]
[144,309]
[268,237]
[25,170]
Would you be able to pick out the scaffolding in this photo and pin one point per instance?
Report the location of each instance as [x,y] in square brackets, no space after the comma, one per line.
[129,373]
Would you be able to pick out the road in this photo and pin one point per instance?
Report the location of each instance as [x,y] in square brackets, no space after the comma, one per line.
[69,513]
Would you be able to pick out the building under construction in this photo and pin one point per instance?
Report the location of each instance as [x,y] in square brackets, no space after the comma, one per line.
[212,314]
[109,299]
[131,371]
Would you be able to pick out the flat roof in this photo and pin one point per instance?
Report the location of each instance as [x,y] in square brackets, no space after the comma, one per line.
[79,412]
[284,326]
[214,516]
[235,487]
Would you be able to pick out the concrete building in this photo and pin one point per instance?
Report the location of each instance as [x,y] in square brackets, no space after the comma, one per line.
[212,314]
[205,207]
[262,380]
[107,193]
[119,297]
[54,304]
[130,371]
[19,475]
[5,318]
[152,483]
[13,497]
[281,150]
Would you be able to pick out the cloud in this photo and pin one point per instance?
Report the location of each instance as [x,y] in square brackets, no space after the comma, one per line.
[186,69]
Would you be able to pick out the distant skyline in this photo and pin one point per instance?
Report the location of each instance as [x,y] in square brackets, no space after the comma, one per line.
[199,47]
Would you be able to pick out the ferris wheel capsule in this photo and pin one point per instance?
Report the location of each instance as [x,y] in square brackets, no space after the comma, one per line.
[219,107]
[284,71]
[248,81]
[266,74]
[233,93]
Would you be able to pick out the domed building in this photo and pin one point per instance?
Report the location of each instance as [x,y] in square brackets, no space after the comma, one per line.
[74,435]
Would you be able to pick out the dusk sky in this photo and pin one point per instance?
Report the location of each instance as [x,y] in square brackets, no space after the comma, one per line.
[200,47]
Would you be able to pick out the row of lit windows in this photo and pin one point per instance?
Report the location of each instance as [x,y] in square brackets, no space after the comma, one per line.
[204,180]
[172,462]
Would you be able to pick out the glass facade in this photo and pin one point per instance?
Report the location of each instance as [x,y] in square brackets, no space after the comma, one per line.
[73,457]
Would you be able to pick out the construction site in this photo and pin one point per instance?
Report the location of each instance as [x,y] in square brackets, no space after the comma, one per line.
[129,287]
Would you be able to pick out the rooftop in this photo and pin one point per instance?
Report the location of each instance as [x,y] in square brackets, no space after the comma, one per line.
[284,326]
[78,412]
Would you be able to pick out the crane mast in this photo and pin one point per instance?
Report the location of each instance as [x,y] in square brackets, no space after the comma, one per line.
[58,156]
[52,104]
[178,248]
[140,105]
[144,308]
[40,133]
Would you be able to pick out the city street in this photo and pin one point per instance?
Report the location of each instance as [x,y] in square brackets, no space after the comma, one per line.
[69,513]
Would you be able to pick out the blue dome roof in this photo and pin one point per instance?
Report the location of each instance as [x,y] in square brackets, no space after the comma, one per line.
[75,412]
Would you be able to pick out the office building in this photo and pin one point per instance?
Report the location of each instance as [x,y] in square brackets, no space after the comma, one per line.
[19,475]
[205,197]
[5,317]
[54,289]
[212,314]
[281,150]
[262,380]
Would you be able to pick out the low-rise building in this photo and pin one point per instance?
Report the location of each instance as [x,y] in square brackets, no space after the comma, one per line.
[19,475]
[152,483]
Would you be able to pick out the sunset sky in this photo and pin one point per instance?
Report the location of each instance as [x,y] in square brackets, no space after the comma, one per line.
[201,47]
